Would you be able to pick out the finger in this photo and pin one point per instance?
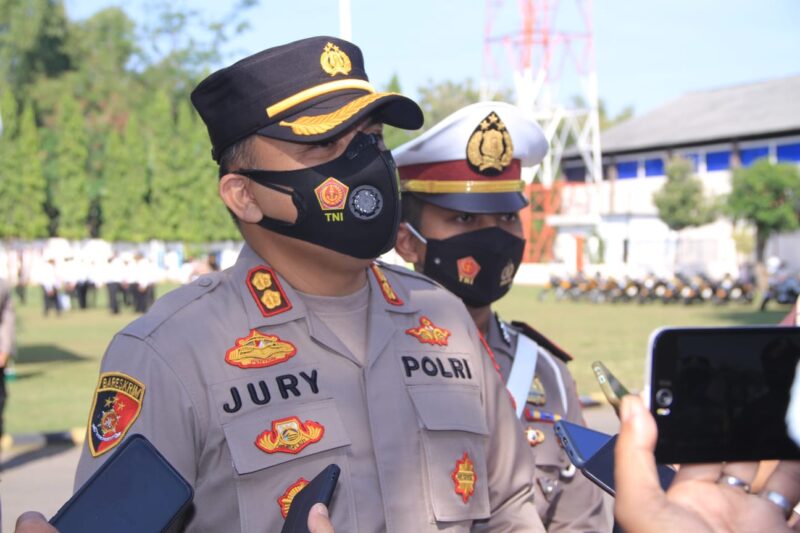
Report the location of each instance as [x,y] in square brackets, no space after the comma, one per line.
[33,522]
[318,520]
[698,472]
[785,480]
[638,492]
[745,472]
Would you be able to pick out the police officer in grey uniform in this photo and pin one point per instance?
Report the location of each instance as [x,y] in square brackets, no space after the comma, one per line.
[307,351]
[461,183]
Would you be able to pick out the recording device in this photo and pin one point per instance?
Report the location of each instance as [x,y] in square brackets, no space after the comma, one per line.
[135,490]
[721,394]
[610,385]
[319,490]
[578,441]
[599,468]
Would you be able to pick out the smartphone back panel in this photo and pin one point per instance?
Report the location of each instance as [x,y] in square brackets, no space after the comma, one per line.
[578,441]
[135,490]
[721,394]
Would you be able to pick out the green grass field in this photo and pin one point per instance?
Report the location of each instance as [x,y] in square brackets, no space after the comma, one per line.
[59,357]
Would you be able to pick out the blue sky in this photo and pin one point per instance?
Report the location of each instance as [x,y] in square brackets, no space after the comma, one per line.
[647,52]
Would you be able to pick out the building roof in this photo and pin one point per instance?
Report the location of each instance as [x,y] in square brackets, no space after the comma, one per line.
[702,117]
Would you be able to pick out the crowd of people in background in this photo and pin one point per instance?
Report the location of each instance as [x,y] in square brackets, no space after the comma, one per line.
[74,279]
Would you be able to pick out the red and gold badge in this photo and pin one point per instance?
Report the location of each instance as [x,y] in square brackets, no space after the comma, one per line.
[116,406]
[429,333]
[535,436]
[464,477]
[285,499]
[331,194]
[468,268]
[258,351]
[289,435]
[267,291]
[386,288]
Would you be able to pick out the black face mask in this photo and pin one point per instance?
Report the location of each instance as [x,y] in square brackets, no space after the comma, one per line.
[478,266]
[350,205]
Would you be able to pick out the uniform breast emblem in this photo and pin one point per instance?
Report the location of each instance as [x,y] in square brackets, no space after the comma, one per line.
[429,333]
[537,394]
[489,149]
[468,269]
[464,477]
[289,435]
[285,499]
[116,406]
[332,194]
[334,61]
[386,288]
[258,351]
[267,291]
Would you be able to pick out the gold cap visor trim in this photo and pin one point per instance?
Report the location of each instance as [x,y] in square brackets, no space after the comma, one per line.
[443,187]
[315,125]
[317,90]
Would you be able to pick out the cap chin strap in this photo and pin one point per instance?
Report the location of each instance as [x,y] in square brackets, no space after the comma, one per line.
[415,233]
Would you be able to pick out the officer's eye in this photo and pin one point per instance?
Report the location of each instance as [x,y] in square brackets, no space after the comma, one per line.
[509,217]
[465,218]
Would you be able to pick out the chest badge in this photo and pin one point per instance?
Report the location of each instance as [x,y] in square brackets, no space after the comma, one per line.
[258,351]
[468,269]
[116,406]
[429,333]
[464,477]
[386,288]
[334,61]
[285,500]
[289,435]
[535,436]
[267,291]
[536,394]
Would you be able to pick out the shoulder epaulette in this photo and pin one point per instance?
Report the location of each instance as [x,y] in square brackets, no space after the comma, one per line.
[403,271]
[543,341]
[169,304]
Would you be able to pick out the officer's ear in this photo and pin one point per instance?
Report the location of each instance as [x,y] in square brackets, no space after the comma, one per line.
[235,192]
[409,247]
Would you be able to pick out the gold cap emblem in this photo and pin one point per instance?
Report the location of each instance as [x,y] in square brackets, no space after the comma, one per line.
[489,149]
[334,61]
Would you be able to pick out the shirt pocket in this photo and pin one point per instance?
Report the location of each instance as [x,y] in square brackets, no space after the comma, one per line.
[275,450]
[454,435]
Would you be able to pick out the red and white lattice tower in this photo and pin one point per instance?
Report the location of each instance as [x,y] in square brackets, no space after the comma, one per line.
[546,47]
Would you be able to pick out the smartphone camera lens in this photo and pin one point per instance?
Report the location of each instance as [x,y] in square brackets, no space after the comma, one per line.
[664,397]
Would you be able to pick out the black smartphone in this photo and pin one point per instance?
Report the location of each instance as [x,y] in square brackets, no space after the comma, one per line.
[721,394]
[135,490]
[578,441]
[610,385]
[319,489]
[599,468]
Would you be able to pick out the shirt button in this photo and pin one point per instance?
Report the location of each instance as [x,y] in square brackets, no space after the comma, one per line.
[204,282]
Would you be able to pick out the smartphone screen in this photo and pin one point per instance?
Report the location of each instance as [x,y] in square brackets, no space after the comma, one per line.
[610,385]
[578,441]
[721,394]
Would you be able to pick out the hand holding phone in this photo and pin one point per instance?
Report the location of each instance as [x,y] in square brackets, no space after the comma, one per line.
[319,490]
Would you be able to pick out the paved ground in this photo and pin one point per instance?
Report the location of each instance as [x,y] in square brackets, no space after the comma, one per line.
[38,476]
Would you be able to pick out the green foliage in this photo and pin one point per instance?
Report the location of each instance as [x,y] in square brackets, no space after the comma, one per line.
[439,100]
[394,137]
[768,197]
[680,202]
[70,185]
[22,183]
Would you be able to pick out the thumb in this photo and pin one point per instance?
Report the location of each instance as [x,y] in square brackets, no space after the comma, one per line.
[639,493]
[318,520]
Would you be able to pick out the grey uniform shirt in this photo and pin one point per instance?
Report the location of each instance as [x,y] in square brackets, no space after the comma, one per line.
[565,499]
[248,395]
